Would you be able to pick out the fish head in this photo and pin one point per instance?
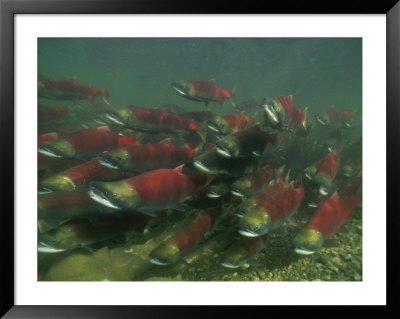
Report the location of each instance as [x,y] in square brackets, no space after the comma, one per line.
[349,171]
[218,125]
[116,159]
[234,257]
[57,148]
[242,187]
[323,119]
[56,183]
[217,190]
[123,117]
[58,240]
[307,242]
[184,88]
[165,254]
[245,207]
[117,195]
[255,223]
[228,146]
[274,113]
[324,182]
[310,172]
[206,163]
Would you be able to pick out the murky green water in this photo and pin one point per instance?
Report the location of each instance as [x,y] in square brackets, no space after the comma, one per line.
[318,72]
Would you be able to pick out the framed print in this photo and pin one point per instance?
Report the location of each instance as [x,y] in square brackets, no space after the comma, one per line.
[168,155]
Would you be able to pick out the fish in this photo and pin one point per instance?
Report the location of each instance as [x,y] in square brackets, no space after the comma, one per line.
[325,222]
[272,212]
[323,172]
[151,119]
[172,250]
[247,142]
[212,163]
[141,158]
[80,233]
[85,143]
[48,137]
[333,116]
[242,250]
[201,91]
[250,185]
[227,124]
[64,205]
[79,176]
[218,188]
[281,114]
[147,192]
[69,89]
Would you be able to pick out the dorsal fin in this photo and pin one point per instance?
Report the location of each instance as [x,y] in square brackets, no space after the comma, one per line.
[179,168]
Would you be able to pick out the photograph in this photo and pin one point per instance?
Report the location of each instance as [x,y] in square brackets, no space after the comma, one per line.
[199,159]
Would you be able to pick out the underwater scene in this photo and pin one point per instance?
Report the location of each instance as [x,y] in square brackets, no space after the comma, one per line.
[199,159]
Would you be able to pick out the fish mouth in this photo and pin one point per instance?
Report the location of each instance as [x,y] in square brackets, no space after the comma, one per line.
[201,167]
[212,127]
[44,190]
[178,89]
[48,152]
[229,265]
[247,233]
[323,191]
[213,195]
[302,251]
[115,118]
[237,193]
[106,163]
[48,249]
[100,197]
[156,261]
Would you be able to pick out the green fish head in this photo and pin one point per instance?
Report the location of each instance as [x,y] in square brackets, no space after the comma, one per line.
[255,223]
[56,183]
[165,254]
[184,88]
[206,163]
[349,171]
[324,183]
[245,207]
[274,113]
[117,195]
[323,119]
[310,172]
[228,146]
[234,257]
[218,125]
[59,239]
[57,148]
[242,187]
[217,190]
[307,242]
[117,159]
[122,117]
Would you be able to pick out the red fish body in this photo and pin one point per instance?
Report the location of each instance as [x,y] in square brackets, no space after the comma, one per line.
[202,91]
[84,142]
[147,157]
[326,221]
[336,115]
[172,249]
[294,116]
[47,137]
[69,89]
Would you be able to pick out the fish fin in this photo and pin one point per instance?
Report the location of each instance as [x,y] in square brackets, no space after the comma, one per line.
[179,168]
[330,243]
[148,212]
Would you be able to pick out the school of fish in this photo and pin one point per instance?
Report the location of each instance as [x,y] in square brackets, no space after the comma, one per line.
[106,170]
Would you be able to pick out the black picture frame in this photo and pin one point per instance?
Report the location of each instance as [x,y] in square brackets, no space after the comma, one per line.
[8,10]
